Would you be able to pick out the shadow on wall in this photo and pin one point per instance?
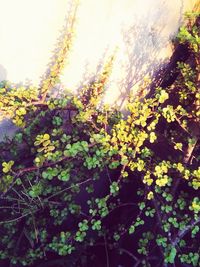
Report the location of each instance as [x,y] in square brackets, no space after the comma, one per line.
[148,49]
[142,52]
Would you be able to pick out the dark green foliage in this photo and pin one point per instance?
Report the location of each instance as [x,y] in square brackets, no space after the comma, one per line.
[77,175]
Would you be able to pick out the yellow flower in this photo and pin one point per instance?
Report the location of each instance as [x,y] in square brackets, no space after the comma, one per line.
[147,179]
[21,111]
[196,206]
[162,181]
[7,166]
[150,195]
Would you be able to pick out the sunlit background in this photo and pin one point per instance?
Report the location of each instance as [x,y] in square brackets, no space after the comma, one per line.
[140,30]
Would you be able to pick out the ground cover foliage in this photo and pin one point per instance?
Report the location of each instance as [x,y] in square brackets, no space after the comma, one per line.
[84,185]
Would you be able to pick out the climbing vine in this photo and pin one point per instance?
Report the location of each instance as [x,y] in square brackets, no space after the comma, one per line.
[79,175]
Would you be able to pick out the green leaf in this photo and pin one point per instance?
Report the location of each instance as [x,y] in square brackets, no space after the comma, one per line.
[172,255]
[114,188]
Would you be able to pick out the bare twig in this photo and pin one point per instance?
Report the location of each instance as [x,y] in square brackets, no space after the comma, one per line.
[137,261]
[183,232]
[16,219]
[68,188]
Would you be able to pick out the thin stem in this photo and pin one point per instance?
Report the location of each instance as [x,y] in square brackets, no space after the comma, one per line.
[131,255]
[68,188]
[106,250]
[183,232]
[16,219]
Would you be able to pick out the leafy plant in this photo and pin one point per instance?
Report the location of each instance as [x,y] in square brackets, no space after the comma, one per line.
[84,174]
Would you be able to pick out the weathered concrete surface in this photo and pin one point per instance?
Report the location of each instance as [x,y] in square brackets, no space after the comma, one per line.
[141,31]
